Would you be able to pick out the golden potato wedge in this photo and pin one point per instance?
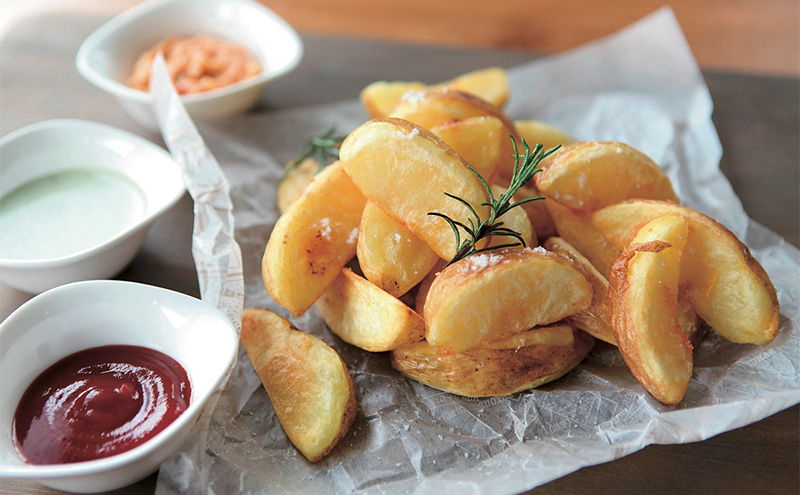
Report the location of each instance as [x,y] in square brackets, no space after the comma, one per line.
[390,256]
[728,288]
[588,176]
[535,131]
[313,240]
[366,316]
[295,181]
[596,319]
[575,227]
[380,97]
[490,296]
[432,108]
[521,362]
[479,141]
[515,219]
[308,383]
[643,294]
[490,84]
[406,170]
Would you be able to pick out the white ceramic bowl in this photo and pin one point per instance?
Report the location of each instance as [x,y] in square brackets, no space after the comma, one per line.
[107,56]
[82,315]
[136,182]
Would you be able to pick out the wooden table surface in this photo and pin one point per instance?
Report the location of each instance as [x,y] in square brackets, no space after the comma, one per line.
[756,117]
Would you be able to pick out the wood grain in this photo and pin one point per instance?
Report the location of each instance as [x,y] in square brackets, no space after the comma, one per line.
[757,36]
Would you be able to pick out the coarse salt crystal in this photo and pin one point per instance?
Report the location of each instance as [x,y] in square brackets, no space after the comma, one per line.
[353,236]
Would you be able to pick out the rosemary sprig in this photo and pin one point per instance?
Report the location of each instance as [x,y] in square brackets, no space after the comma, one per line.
[525,167]
[322,146]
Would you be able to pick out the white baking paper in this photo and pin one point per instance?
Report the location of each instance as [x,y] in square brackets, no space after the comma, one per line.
[641,86]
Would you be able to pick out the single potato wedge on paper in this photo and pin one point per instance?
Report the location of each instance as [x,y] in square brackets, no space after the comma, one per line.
[492,295]
[406,170]
[587,176]
[309,385]
[389,254]
[596,319]
[313,240]
[366,316]
[520,362]
[728,288]
[643,292]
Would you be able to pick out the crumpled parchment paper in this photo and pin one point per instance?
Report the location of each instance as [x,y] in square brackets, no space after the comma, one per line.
[641,86]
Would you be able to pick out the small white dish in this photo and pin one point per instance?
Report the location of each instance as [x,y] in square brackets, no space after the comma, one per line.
[96,313]
[76,200]
[107,56]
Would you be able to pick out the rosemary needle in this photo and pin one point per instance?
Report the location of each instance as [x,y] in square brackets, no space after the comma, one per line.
[525,167]
[322,147]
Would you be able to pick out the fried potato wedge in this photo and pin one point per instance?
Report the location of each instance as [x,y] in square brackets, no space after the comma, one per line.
[575,227]
[366,316]
[479,141]
[538,132]
[728,288]
[490,296]
[520,362]
[380,97]
[490,84]
[587,176]
[313,240]
[431,108]
[406,170]
[390,256]
[643,293]
[308,383]
[596,319]
[295,181]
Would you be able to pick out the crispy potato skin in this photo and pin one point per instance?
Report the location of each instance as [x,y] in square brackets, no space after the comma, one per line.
[596,319]
[313,240]
[728,288]
[367,317]
[493,295]
[309,385]
[587,176]
[538,132]
[643,294]
[504,368]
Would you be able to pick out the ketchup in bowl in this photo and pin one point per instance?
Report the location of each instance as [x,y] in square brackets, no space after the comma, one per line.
[99,402]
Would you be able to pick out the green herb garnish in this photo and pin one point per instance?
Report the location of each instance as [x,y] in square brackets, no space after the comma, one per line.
[525,167]
[323,147]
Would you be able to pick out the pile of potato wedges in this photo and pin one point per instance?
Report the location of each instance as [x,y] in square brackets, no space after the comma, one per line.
[610,254]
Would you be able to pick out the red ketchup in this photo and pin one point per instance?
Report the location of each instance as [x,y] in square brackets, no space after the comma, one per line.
[99,402]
